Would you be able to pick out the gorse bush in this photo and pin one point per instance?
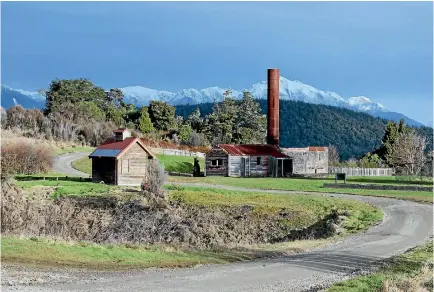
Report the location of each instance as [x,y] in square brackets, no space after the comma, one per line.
[152,185]
[25,158]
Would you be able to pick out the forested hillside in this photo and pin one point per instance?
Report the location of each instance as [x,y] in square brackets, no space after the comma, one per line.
[303,124]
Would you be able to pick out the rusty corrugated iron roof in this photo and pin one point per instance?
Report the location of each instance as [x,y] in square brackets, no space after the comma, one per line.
[310,148]
[317,148]
[117,147]
[252,150]
[111,143]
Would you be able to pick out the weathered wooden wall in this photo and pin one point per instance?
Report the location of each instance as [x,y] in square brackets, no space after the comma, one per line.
[305,161]
[259,170]
[103,169]
[216,153]
[234,166]
[249,163]
[133,166]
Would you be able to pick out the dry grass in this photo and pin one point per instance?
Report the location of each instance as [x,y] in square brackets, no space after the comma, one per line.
[409,272]
[58,147]
[422,282]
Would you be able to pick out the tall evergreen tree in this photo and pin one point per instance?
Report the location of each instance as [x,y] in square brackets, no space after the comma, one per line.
[393,131]
[250,124]
[219,124]
[195,120]
[162,115]
[145,123]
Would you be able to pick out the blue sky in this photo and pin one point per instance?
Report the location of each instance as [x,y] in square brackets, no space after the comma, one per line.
[383,50]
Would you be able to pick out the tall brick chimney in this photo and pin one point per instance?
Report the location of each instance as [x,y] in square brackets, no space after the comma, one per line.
[273,107]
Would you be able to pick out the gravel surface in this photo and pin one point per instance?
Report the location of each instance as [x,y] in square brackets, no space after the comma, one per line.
[62,164]
[406,224]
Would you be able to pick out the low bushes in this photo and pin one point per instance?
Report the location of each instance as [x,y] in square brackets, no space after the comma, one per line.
[25,157]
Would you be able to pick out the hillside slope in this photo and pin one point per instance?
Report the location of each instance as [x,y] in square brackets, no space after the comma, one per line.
[304,124]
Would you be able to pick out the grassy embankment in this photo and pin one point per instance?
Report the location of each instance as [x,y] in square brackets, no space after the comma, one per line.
[171,163]
[411,271]
[314,185]
[308,209]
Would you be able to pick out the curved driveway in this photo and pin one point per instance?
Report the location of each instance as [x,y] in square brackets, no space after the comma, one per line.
[62,164]
[406,224]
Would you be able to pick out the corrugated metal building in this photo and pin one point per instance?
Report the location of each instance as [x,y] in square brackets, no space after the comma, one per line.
[247,160]
[121,160]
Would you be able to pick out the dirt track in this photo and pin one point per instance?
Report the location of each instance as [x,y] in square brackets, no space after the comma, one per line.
[406,224]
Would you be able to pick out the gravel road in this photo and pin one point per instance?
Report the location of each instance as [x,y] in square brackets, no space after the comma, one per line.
[406,224]
[62,164]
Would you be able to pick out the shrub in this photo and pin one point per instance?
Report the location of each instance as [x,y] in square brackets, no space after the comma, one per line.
[197,139]
[25,157]
[152,185]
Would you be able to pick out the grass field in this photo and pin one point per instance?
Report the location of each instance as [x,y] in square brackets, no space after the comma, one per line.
[411,271]
[179,163]
[42,251]
[172,163]
[83,164]
[311,185]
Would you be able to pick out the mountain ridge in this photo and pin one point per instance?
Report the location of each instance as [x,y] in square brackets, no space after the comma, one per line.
[289,90]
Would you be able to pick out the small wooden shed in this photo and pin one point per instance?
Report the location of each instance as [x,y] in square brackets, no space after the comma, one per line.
[247,160]
[121,160]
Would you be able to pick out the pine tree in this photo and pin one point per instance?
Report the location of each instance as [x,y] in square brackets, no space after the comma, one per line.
[195,120]
[145,124]
[250,124]
[393,131]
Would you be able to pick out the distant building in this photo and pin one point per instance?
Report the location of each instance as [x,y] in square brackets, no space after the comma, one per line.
[253,160]
[258,160]
[309,160]
[121,160]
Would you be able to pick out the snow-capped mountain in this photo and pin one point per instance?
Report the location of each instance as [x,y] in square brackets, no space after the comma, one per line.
[363,103]
[11,97]
[141,96]
[289,90]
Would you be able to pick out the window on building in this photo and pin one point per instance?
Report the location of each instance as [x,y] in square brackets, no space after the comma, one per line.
[258,160]
[217,162]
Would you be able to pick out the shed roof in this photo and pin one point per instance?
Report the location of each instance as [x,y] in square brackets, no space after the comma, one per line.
[112,148]
[252,150]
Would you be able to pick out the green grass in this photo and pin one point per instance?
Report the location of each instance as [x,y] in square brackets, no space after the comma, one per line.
[40,251]
[301,184]
[83,164]
[308,209]
[72,149]
[172,163]
[43,251]
[63,188]
[179,163]
[405,266]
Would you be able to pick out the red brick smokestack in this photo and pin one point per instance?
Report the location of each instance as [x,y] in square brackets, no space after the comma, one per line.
[273,107]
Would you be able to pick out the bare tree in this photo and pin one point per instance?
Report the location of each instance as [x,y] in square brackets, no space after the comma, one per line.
[409,152]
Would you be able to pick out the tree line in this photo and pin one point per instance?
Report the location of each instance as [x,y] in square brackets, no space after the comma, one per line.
[78,110]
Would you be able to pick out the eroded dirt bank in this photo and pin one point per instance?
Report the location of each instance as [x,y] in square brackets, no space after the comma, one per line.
[109,220]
